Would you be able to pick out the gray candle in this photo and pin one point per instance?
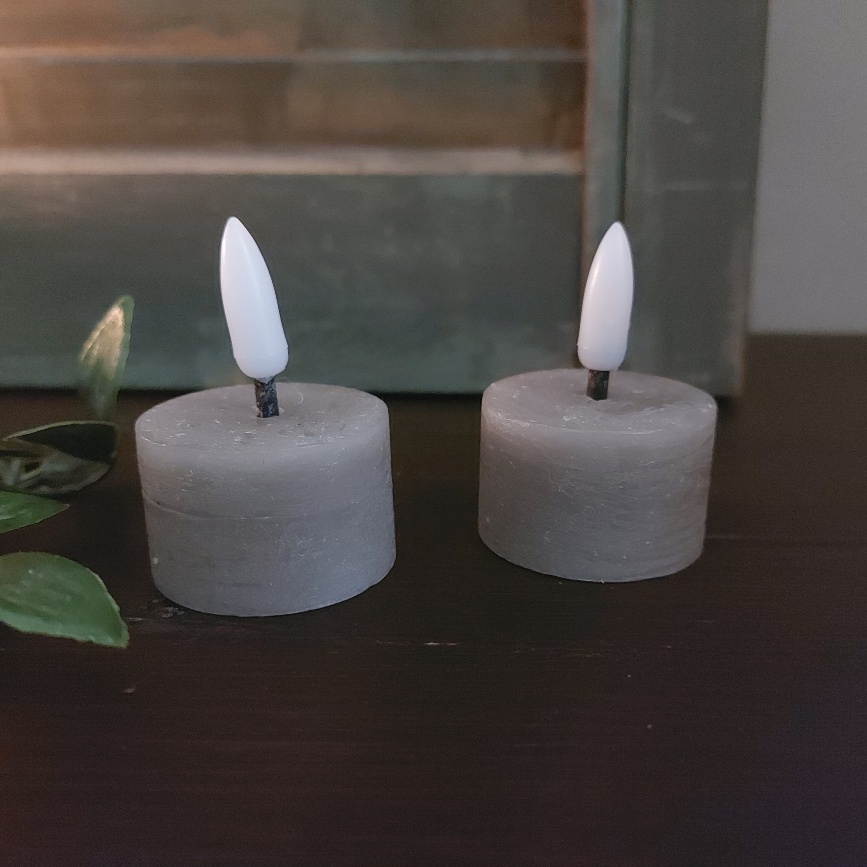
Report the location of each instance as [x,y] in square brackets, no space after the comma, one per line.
[259,516]
[253,511]
[595,490]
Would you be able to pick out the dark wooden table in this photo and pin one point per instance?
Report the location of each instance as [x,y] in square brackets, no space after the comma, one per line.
[465,711]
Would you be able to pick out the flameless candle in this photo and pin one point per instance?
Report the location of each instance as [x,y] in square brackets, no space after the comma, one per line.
[272,505]
[258,340]
[590,478]
[606,311]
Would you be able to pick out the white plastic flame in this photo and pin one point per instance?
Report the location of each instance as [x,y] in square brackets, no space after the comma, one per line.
[607,306]
[258,340]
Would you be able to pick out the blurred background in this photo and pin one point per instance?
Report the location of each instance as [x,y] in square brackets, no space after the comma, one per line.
[427,179]
[810,270]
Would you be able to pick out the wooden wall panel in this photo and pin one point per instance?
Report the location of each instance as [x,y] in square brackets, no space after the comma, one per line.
[695,95]
[418,279]
[268,28]
[400,268]
[447,104]
[604,138]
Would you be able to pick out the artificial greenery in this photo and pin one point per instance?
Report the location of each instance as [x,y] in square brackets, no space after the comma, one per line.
[103,357]
[46,593]
[57,459]
[51,595]
[21,510]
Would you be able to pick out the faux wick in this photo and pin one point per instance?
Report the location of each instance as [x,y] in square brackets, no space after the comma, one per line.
[597,384]
[266,398]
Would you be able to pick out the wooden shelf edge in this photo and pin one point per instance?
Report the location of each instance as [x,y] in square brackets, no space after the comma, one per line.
[293,161]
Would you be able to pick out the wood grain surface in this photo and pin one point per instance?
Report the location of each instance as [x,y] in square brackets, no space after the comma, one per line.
[114,73]
[454,102]
[465,711]
[273,28]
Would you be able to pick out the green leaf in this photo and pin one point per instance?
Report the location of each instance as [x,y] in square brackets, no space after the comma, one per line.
[86,440]
[20,464]
[21,510]
[103,357]
[57,459]
[50,595]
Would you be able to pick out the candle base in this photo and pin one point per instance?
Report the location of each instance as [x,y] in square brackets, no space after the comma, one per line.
[612,490]
[253,516]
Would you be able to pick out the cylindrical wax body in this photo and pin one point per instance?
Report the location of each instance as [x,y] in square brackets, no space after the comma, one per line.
[608,490]
[257,516]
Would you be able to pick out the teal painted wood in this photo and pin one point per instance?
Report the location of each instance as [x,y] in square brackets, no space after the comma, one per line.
[398,275]
[695,92]
[605,126]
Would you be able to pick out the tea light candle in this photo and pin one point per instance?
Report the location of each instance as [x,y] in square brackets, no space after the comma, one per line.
[607,485]
[272,505]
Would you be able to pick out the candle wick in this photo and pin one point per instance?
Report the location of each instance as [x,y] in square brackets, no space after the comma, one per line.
[597,384]
[266,398]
